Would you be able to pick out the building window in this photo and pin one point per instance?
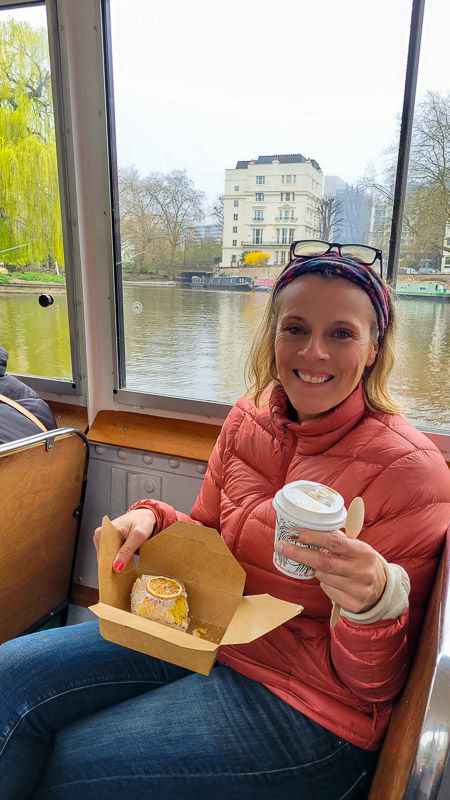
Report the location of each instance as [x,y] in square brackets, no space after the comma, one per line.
[447,261]
[283,257]
[292,214]
[257,235]
[236,203]
[260,179]
[234,228]
[233,259]
[234,242]
[288,197]
[259,197]
[284,236]
[293,193]
[291,235]
[286,213]
[277,257]
[258,213]
[235,217]
[236,188]
[288,178]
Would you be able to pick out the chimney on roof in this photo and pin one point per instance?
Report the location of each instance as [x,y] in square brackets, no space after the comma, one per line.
[275,160]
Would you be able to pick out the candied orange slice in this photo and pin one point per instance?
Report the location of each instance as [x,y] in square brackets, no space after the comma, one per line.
[164,588]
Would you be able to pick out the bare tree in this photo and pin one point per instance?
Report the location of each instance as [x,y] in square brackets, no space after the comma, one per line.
[329,217]
[218,210]
[427,205]
[176,206]
[138,225]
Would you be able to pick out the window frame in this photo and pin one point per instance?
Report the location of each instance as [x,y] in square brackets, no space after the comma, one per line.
[68,202]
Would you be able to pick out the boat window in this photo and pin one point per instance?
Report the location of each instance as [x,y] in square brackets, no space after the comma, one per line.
[184,138]
[34,319]
[420,379]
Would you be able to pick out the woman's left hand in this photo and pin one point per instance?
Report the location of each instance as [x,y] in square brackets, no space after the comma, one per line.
[349,571]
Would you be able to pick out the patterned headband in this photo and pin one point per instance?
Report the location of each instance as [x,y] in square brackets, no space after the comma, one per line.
[347,268]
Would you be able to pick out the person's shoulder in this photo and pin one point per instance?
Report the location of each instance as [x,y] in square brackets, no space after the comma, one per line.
[399,434]
[406,456]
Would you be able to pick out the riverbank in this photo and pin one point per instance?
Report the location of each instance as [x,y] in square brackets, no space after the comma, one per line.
[32,287]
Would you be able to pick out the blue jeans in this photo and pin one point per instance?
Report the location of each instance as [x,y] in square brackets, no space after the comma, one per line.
[82,718]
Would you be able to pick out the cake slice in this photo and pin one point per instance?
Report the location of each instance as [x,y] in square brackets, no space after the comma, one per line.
[161,599]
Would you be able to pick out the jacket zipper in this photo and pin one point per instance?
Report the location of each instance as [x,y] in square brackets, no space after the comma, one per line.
[250,509]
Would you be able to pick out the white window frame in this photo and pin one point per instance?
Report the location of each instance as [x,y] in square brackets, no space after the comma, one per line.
[260,180]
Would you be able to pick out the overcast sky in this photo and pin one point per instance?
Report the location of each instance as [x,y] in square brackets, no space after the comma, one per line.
[200,85]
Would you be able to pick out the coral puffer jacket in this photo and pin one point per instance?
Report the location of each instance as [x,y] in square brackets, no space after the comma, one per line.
[344,678]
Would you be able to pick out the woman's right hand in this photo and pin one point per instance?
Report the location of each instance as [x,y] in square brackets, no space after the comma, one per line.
[136,527]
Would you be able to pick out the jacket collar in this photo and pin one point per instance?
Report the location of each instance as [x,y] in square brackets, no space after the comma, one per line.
[319,434]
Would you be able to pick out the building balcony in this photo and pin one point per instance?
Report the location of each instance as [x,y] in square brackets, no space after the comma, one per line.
[283,219]
[265,244]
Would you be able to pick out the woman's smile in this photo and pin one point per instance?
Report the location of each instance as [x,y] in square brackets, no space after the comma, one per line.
[313,378]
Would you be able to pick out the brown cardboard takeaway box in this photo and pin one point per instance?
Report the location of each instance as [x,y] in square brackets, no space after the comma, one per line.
[214,582]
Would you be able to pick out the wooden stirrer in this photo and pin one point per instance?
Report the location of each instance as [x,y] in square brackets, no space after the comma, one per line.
[353,525]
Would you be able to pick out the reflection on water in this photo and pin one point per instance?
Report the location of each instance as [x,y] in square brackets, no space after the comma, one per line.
[194,344]
[36,338]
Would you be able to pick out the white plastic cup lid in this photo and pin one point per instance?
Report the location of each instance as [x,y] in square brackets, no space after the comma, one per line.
[311,505]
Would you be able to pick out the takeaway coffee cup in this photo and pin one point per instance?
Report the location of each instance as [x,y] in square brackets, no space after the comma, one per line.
[305,504]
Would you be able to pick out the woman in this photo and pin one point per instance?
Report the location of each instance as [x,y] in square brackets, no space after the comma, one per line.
[301,712]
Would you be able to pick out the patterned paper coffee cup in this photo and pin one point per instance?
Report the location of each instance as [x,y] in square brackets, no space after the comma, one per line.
[304,504]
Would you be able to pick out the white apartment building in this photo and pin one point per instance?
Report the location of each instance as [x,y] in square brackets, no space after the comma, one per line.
[268,203]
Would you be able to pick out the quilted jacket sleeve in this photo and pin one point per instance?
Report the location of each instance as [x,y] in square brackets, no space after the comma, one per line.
[408,529]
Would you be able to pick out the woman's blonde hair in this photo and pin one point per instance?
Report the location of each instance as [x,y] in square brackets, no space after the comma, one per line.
[261,369]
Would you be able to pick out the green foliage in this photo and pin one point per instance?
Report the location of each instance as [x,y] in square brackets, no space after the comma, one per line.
[30,217]
[43,277]
[4,278]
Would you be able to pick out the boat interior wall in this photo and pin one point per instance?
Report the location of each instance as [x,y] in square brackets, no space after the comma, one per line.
[43,480]
[118,477]
[417,744]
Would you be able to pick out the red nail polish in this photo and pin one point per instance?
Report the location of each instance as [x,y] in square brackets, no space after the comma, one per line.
[118,566]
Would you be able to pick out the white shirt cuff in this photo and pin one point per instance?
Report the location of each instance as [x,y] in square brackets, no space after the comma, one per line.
[392,602]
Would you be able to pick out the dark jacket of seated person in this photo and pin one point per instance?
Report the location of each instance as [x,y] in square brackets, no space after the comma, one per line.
[13,424]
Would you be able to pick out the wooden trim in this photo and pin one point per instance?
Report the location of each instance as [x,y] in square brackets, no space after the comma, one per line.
[174,437]
[402,737]
[69,415]
[84,596]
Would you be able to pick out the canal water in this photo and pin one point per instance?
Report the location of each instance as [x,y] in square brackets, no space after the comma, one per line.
[194,343]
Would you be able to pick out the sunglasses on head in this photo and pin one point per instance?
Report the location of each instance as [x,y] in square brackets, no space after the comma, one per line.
[364,255]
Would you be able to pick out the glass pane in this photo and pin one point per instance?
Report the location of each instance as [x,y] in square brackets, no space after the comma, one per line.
[31,247]
[209,170]
[421,379]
